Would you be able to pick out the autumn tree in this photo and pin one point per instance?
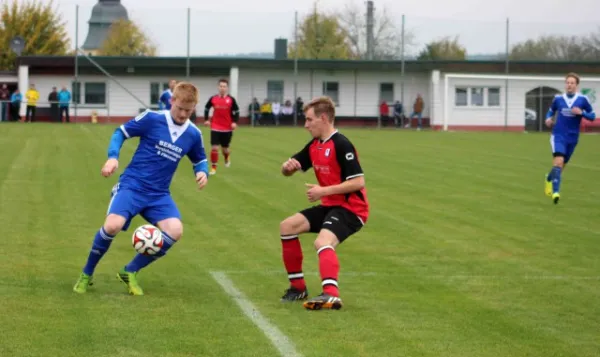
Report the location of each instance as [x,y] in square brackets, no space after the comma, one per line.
[387,35]
[125,38]
[443,49]
[39,24]
[320,36]
[559,48]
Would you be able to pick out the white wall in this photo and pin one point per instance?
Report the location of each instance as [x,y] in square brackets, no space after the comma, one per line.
[364,86]
[495,116]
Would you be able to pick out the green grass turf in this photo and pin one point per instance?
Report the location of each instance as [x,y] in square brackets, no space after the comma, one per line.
[463,255]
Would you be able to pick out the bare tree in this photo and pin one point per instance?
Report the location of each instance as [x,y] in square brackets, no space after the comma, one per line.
[387,32]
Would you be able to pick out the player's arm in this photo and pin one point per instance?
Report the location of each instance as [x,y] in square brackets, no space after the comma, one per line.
[235,110]
[116,142]
[352,172]
[300,161]
[551,111]
[114,149]
[588,111]
[207,107]
[197,156]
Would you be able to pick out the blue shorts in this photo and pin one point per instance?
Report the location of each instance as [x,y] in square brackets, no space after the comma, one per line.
[562,147]
[153,208]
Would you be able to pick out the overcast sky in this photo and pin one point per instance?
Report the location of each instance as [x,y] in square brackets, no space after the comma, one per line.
[241,26]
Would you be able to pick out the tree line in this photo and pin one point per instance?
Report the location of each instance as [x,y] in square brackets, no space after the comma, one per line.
[321,34]
[342,35]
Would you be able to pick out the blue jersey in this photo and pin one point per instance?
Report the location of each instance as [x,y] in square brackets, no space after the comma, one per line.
[164,102]
[568,124]
[163,143]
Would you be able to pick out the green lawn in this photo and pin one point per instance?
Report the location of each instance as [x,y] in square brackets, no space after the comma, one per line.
[463,255]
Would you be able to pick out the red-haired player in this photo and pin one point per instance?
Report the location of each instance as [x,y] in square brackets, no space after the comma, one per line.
[222,124]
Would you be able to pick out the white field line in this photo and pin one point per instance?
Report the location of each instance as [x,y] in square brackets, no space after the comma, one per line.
[423,276]
[283,344]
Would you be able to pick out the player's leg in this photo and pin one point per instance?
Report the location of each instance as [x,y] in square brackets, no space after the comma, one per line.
[163,213]
[339,224]
[553,178]
[122,208]
[225,146]
[559,164]
[214,151]
[308,220]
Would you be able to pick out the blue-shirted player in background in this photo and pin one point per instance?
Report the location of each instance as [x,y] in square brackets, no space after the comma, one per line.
[143,188]
[164,102]
[569,108]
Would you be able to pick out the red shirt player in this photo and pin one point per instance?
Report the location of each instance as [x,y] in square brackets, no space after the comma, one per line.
[224,121]
[343,211]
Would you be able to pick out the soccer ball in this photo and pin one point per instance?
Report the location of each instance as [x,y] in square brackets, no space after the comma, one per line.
[147,240]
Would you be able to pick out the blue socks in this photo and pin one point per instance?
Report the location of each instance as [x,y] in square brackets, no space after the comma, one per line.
[555,178]
[100,246]
[141,261]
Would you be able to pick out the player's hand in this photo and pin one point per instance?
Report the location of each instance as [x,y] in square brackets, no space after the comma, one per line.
[549,123]
[207,122]
[291,165]
[110,167]
[315,192]
[233,126]
[201,180]
[576,111]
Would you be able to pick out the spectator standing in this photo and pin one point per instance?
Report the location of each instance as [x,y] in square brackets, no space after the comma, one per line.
[53,100]
[64,100]
[4,102]
[32,96]
[15,105]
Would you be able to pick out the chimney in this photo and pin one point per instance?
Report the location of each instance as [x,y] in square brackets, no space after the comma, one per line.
[281,49]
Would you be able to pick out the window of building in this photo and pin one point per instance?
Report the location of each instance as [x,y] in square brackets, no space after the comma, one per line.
[460,97]
[95,93]
[477,97]
[156,91]
[275,91]
[493,97]
[76,92]
[386,92]
[332,90]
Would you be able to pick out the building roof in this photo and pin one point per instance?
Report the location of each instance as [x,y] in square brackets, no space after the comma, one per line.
[221,65]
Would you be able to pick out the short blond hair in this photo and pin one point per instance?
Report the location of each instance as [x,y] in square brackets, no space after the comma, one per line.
[573,75]
[186,92]
[322,105]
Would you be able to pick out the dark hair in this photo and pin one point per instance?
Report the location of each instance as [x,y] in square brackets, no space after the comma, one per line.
[573,75]
[223,80]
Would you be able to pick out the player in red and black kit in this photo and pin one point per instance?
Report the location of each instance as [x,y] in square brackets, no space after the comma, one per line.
[343,211]
[222,124]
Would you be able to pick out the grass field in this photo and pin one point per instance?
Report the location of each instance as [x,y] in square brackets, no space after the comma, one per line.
[463,255]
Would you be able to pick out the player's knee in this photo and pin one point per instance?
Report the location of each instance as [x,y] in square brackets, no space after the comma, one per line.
[286,226]
[114,224]
[325,238]
[558,161]
[173,227]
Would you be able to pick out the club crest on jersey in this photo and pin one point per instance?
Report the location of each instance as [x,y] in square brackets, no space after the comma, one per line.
[327,152]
